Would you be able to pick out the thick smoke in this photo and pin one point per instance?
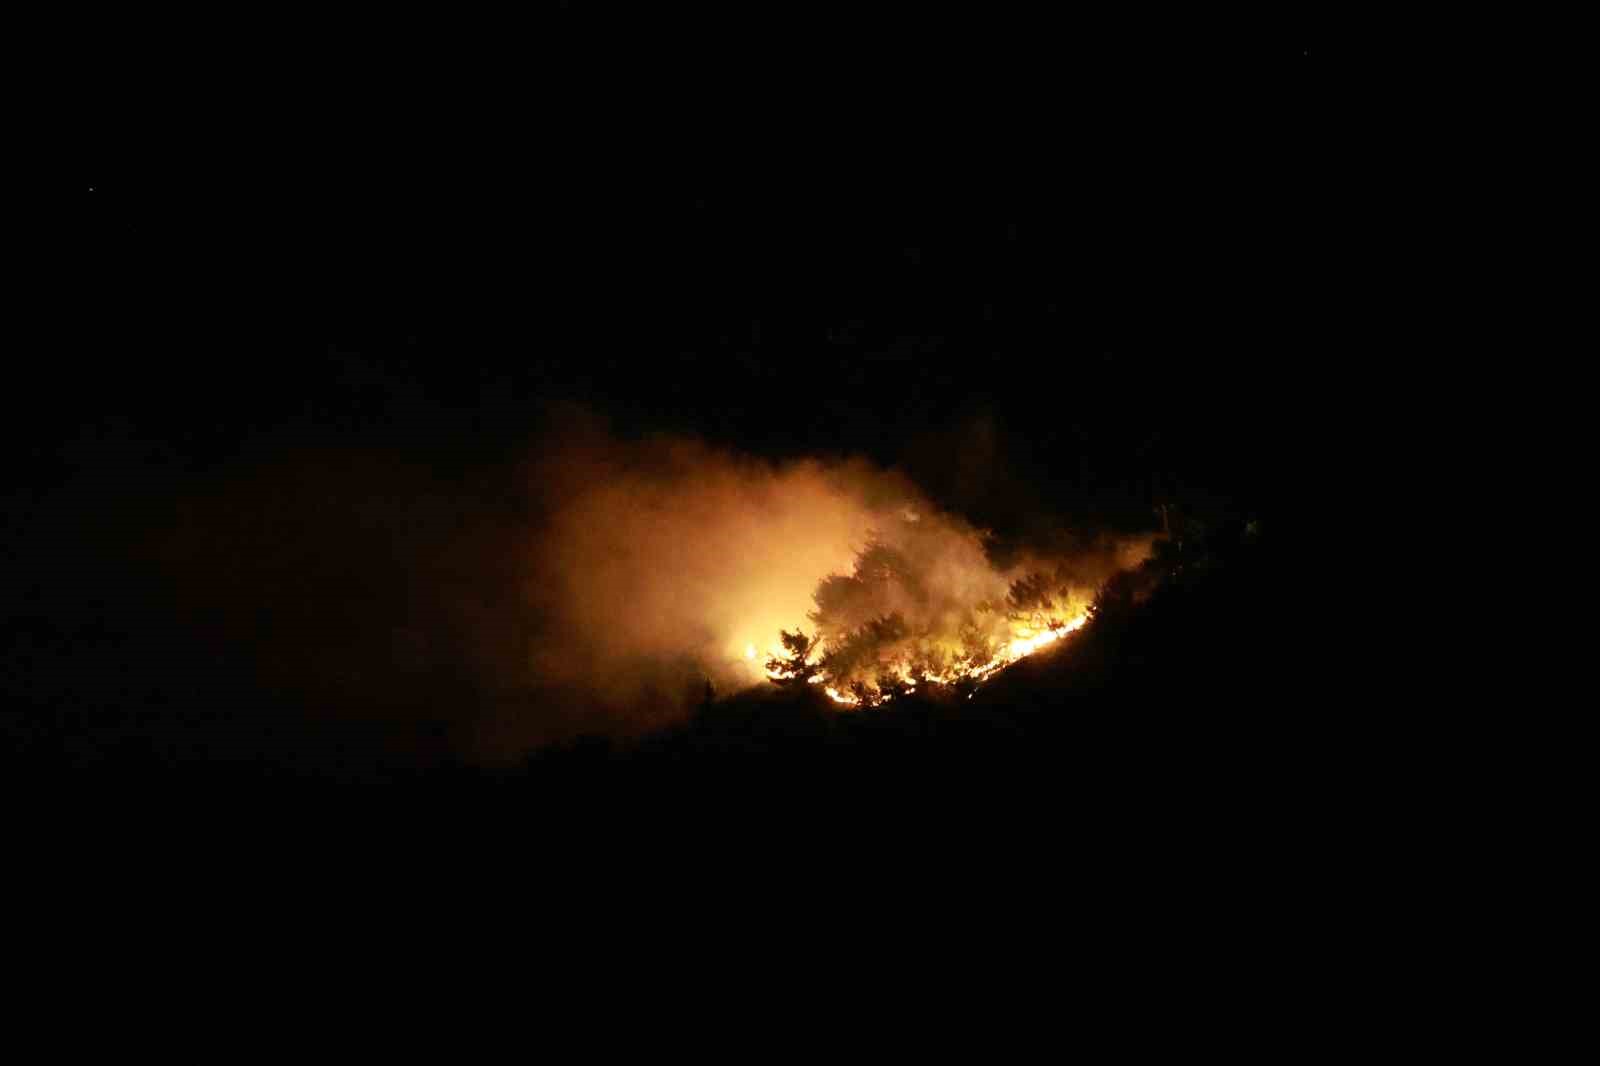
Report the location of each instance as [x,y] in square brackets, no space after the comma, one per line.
[596,587]
[665,563]
[668,551]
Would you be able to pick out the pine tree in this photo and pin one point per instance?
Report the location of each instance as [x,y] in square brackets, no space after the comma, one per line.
[792,669]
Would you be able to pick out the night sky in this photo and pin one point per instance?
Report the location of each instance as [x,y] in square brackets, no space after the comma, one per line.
[1052,283]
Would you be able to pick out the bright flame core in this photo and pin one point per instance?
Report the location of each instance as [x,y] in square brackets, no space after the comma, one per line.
[923,604]
[1026,639]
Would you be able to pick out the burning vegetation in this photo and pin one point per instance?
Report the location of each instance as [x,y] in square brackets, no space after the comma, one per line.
[600,587]
[664,564]
[919,611]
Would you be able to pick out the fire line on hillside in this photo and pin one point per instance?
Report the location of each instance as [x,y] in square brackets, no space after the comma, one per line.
[1019,648]
[901,620]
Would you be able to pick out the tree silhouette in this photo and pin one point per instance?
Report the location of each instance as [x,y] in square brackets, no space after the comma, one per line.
[793,669]
[860,655]
[1030,594]
[1114,602]
[976,647]
[882,564]
[844,604]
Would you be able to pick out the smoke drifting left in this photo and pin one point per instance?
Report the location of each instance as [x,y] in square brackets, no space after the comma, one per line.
[669,551]
[594,585]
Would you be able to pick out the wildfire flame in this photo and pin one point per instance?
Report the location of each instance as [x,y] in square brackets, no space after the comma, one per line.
[1026,640]
[917,609]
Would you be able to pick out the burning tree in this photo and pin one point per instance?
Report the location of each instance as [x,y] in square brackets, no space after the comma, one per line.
[863,653]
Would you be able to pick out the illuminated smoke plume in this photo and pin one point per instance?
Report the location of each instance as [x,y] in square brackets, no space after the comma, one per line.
[667,562]
[596,587]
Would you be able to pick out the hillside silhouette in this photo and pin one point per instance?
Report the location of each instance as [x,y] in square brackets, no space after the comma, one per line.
[1187,681]
[1187,696]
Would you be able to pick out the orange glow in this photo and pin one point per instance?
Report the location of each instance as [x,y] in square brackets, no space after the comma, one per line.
[1024,643]
[666,561]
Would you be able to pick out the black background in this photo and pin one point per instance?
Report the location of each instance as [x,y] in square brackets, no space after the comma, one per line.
[1118,257]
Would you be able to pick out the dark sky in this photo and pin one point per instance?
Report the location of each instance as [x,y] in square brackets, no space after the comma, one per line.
[1104,263]
[904,237]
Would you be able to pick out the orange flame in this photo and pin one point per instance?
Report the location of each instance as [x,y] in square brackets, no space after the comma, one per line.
[1024,643]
